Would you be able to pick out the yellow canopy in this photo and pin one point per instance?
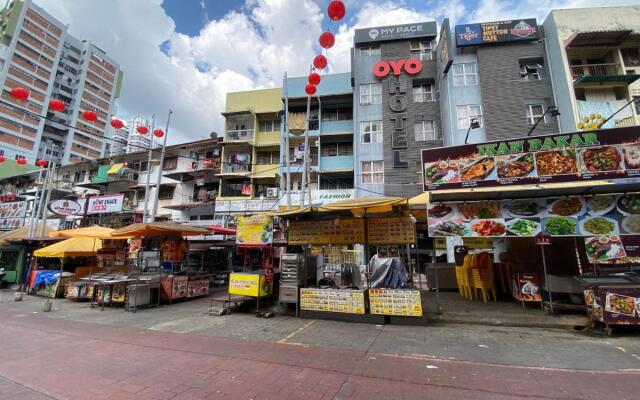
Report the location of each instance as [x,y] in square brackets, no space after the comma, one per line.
[149,229]
[96,232]
[362,205]
[420,200]
[23,233]
[74,247]
[285,213]
[115,168]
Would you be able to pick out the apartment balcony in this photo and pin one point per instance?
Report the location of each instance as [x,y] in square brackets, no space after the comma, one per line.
[337,127]
[610,74]
[267,139]
[336,163]
[265,171]
[239,135]
[236,168]
[626,122]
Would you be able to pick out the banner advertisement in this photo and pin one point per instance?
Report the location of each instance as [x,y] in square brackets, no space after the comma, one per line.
[248,284]
[12,215]
[344,231]
[397,230]
[526,287]
[254,230]
[497,32]
[600,215]
[103,204]
[329,300]
[581,156]
[399,302]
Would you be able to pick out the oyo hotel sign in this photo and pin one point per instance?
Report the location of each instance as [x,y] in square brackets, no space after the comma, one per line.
[398,100]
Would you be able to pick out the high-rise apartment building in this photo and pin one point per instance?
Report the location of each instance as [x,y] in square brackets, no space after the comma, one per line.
[135,141]
[38,53]
[119,140]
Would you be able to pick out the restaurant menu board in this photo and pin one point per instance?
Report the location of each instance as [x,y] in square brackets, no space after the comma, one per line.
[601,215]
[614,305]
[398,230]
[346,231]
[526,287]
[581,156]
[254,230]
[342,301]
[12,215]
[400,302]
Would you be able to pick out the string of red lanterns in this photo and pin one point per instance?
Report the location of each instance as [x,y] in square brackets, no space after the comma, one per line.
[116,123]
[336,10]
[141,129]
[158,133]
[2,159]
[56,105]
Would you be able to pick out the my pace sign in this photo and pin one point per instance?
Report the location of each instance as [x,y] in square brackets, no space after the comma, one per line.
[578,156]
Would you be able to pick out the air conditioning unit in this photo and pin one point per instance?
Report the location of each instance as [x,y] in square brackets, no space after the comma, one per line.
[272,192]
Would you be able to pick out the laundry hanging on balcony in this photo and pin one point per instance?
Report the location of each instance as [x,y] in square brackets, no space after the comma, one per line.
[241,158]
[297,122]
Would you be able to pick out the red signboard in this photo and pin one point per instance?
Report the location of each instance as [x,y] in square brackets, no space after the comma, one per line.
[411,67]
[268,275]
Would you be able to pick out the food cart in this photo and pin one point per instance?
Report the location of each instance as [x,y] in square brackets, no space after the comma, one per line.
[571,193]
[353,261]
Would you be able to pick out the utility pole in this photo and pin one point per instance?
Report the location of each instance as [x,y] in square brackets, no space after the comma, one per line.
[146,187]
[305,159]
[286,140]
[35,209]
[52,172]
[164,146]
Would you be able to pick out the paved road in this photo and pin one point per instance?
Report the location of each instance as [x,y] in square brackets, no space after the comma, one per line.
[179,353]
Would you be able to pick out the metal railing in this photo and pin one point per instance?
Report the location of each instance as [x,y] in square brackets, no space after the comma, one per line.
[239,134]
[578,71]
[628,121]
[236,167]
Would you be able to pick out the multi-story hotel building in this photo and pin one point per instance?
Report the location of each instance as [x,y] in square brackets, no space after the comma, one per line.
[38,54]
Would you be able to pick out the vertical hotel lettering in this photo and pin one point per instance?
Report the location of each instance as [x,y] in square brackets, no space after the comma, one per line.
[398,101]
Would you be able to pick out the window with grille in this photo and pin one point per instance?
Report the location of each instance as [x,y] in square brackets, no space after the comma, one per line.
[422,92]
[466,113]
[425,130]
[371,132]
[336,149]
[170,163]
[370,93]
[337,114]
[369,51]
[372,172]
[534,112]
[465,74]
[421,50]
[269,125]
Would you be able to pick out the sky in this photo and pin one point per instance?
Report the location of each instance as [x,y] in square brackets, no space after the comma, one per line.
[185,55]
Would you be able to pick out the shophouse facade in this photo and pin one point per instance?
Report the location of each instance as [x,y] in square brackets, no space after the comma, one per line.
[250,152]
[494,81]
[396,106]
[331,141]
[595,63]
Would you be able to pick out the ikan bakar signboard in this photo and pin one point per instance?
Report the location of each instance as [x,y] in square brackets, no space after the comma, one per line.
[579,156]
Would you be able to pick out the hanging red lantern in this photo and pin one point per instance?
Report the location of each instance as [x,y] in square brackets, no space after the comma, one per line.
[41,163]
[320,61]
[327,40]
[89,115]
[310,89]
[2,159]
[56,105]
[336,10]
[21,161]
[116,123]
[20,93]
[141,129]
[314,78]
[125,165]
[158,133]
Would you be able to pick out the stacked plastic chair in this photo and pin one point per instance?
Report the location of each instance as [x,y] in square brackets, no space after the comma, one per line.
[482,278]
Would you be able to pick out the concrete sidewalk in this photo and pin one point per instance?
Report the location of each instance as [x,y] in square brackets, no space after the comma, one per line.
[62,359]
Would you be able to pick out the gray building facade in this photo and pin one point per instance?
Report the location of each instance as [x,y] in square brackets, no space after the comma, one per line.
[498,76]
[396,107]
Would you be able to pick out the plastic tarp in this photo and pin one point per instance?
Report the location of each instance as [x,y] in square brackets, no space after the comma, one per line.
[150,229]
[23,233]
[102,176]
[10,169]
[49,277]
[297,121]
[74,247]
[420,200]
[388,273]
[115,168]
[365,205]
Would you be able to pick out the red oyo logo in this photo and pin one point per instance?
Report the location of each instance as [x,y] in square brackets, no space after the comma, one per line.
[411,67]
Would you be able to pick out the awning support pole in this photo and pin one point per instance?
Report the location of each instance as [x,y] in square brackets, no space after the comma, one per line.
[546,278]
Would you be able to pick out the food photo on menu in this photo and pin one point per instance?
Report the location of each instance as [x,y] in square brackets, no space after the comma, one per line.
[620,304]
[515,166]
[478,169]
[441,172]
[631,156]
[604,248]
[600,159]
[556,162]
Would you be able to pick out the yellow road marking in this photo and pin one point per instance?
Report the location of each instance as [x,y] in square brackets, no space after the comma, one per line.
[292,334]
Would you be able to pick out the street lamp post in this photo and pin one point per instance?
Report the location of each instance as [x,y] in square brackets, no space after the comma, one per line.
[553,111]
[157,191]
[473,124]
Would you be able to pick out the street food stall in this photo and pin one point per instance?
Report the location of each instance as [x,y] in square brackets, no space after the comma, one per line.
[556,208]
[162,252]
[349,260]
[16,247]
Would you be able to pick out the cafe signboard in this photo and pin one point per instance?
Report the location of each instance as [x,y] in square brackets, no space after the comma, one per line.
[580,156]
[517,30]
[331,231]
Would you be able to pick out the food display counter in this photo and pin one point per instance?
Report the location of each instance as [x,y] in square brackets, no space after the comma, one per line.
[612,300]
